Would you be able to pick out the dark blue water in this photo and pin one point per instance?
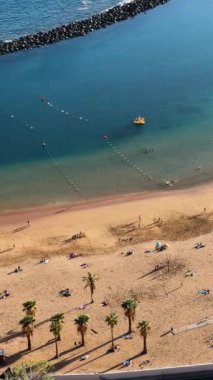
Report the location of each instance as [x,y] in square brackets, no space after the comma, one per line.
[159,65]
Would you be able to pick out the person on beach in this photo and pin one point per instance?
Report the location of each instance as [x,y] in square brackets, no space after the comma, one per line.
[28,223]
[18,269]
[139,221]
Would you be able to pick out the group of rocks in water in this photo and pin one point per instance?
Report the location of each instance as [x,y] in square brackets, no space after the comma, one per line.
[80,28]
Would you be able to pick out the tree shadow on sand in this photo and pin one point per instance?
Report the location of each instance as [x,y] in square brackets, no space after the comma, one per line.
[120,365]
[13,358]
[89,361]
[66,312]
[58,366]
[18,355]
[6,250]
[10,335]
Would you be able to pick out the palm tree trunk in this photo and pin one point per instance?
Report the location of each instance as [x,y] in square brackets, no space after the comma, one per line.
[92,300]
[130,325]
[113,345]
[56,347]
[82,339]
[144,345]
[29,342]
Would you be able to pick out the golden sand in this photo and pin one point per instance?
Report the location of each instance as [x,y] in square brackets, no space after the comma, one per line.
[166,298]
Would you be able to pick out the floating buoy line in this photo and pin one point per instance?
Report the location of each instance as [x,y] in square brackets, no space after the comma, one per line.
[115,149]
[68,181]
[62,111]
[123,157]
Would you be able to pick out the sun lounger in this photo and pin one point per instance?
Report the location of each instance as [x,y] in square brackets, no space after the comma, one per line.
[84,357]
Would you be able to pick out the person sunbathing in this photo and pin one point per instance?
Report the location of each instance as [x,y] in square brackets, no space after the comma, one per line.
[73,255]
[18,269]
[65,292]
[104,303]
[130,252]
[84,265]
[160,247]
[4,294]
[44,261]
[199,245]
[82,307]
[127,363]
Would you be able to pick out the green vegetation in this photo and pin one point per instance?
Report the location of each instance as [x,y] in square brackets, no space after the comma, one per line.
[27,328]
[144,329]
[81,323]
[30,308]
[56,326]
[112,321]
[129,307]
[90,281]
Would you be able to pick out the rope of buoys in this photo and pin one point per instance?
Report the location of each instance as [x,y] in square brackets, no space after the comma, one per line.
[69,182]
[114,147]
[62,110]
[128,161]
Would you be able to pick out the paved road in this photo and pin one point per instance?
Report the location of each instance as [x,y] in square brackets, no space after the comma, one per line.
[199,372]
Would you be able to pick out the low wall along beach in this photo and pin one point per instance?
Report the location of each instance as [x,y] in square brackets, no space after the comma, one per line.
[79,28]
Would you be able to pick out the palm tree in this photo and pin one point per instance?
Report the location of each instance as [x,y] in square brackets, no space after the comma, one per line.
[112,321]
[129,307]
[144,328]
[57,321]
[81,323]
[90,281]
[30,308]
[27,328]
[60,319]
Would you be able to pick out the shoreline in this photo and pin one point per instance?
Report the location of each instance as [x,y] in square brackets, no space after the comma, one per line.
[80,28]
[37,212]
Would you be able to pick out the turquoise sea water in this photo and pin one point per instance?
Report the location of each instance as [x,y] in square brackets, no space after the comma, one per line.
[159,65]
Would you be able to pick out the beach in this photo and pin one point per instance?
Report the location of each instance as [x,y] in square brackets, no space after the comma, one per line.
[165,299]
[85,190]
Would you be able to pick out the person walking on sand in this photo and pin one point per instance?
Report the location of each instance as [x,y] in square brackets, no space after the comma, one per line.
[28,223]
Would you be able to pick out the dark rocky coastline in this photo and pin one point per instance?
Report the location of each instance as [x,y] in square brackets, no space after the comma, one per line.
[80,28]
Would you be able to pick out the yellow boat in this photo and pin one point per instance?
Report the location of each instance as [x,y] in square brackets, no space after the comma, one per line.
[139,120]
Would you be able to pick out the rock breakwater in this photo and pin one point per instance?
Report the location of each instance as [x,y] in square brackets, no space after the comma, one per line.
[80,28]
